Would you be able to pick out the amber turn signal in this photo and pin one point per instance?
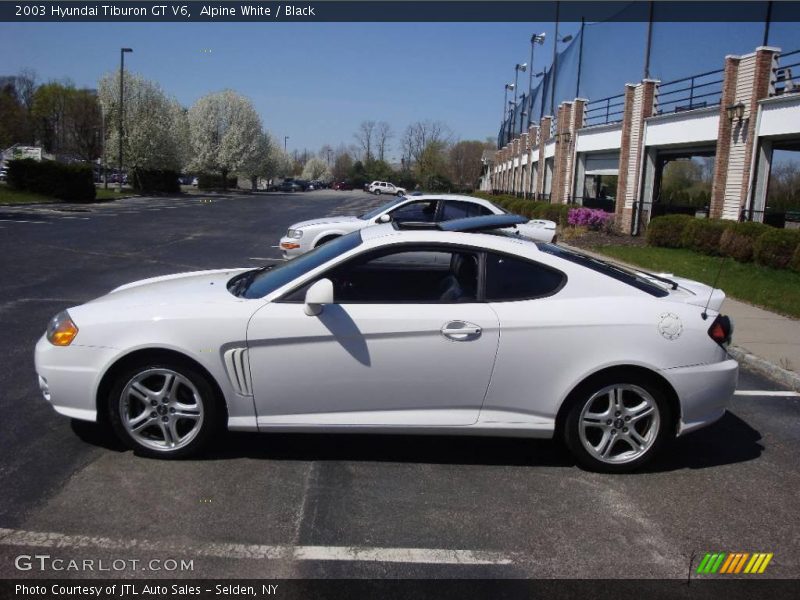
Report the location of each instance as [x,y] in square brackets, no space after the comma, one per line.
[61,330]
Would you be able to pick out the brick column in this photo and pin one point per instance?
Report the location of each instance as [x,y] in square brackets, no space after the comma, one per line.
[544,136]
[533,143]
[746,80]
[524,151]
[515,168]
[561,156]
[639,105]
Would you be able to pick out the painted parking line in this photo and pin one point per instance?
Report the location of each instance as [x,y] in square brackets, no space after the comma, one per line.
[23,221]
[441,556]
[776,393]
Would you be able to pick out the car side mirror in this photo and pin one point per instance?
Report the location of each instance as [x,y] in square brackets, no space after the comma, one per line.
[317,295]
[384,219]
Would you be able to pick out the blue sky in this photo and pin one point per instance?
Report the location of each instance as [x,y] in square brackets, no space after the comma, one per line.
[317,82]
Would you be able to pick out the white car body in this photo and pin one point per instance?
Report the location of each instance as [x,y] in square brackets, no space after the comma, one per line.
[401,367]
[384,187]
[307,235]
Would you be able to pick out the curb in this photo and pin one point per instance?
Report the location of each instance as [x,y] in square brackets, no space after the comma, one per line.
[763,366]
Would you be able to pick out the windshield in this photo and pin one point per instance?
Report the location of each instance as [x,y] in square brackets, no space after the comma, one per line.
[257,283]
[632,277]
[376,211]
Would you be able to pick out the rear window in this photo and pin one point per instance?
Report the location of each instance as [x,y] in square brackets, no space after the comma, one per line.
[509,278]
[612,270]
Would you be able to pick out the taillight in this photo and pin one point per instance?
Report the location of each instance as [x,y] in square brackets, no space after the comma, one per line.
[721,330]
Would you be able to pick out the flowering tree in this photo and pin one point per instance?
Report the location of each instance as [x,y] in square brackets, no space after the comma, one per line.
[317,169]
[225,132]
[155,128]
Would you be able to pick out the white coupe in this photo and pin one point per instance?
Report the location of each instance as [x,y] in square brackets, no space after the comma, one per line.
[454,328]
[307,235]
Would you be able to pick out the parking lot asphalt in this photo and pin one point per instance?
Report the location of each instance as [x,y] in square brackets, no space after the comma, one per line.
[295,505]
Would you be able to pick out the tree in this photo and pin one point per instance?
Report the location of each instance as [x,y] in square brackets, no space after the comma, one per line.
[383,133]
[342,166]
[465,165]
[432,166]
[225,132]
[155,131]
[365,136]
[12,116]
[49,113]
[83,125]
[316,169]
[419,135]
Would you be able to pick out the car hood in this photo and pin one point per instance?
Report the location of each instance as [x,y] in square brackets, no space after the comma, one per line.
[327,221]
[196,286]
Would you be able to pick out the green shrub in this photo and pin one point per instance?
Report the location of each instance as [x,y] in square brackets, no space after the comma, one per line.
[703,235]
[794,265]
[738,240]
[73,183]
[152,180]
[776,248]
[206,181]
[667,231]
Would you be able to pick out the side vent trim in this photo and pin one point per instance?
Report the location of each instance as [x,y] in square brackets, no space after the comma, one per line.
[237,364]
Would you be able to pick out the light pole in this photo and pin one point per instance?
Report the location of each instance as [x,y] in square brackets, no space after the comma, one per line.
[509,86]
[122,52]
[536,38]
[517,68]
[103,143]
[286,137]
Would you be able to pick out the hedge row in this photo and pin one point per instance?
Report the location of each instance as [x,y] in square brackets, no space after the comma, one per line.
[73,183]
[206,181]
[744,242]
[531,209]
[152,180]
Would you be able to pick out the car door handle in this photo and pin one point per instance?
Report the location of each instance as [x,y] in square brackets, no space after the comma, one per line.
[461,331]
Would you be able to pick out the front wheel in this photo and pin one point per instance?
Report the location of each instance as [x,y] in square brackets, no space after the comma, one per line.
[378,192]
[616,425]
[163,409]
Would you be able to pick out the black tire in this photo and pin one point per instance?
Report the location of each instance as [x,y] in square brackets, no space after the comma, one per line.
[203,395]
[619,428]
[378,192]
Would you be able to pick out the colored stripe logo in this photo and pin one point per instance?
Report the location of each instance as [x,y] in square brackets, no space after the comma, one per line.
[732,563]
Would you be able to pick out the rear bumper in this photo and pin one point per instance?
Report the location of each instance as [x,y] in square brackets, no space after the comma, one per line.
[704,392]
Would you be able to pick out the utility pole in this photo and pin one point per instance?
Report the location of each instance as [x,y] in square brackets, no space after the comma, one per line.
[122,52]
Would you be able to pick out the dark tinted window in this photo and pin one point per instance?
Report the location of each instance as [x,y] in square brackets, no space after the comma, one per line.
[455,209]
[622,274]
[257,284]
[509,278]
[421,212]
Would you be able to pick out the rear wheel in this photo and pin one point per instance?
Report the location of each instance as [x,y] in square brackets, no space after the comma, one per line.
[163,409]
[325,240]
[378,192]
[615,425]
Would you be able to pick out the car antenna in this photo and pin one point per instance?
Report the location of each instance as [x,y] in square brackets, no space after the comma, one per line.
[704,314]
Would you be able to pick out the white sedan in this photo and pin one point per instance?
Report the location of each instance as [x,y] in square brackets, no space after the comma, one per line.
[307,235]
[452,329]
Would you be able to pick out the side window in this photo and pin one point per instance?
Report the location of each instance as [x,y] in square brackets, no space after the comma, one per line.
[509,278]
[424,212]
[455,209]
[419,275]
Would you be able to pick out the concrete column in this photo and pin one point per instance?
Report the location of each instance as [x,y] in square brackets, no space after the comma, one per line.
[639,104]
[533,143]
[544,136]
[746,80]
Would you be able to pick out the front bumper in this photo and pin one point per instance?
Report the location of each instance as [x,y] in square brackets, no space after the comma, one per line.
[705,391]
[291,247]
[69,376]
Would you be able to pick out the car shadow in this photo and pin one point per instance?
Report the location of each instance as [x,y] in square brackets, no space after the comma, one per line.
[728,441]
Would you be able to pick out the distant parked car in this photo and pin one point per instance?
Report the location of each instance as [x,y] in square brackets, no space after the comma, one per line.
[290,186]
[4,174]
[343,186]
[384,187]
[307,235]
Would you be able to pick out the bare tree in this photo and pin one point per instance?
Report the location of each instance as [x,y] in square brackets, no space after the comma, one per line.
[418,136]
[365,136]
[383,134]
[465,162]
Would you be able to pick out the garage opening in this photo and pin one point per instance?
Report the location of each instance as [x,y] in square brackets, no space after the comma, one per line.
[782,207]
[683,183]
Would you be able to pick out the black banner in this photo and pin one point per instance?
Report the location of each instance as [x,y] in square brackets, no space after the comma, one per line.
[406,589]
[393,11]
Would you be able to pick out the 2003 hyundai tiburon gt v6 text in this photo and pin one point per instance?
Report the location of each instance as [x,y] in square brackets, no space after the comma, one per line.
[445,328]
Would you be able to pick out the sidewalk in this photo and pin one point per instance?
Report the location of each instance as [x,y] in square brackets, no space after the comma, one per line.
[762,340]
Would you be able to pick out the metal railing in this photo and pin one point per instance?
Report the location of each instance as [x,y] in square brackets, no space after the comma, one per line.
[785,81]
[688,93]
[605,110]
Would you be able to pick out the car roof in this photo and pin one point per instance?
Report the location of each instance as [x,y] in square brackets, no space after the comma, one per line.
[460,197]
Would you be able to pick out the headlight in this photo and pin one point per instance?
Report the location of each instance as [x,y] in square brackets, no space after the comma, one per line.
[61,330]
[295,233]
